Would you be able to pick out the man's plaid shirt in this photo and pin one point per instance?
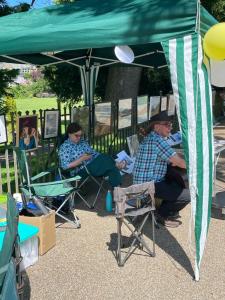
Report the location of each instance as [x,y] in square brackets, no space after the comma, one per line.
[152,158]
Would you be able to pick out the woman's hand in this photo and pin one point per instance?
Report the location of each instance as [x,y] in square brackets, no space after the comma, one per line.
[85,157]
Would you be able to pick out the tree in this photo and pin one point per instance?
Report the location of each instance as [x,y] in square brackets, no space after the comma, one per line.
[7,76]
[64,81]
[216,8]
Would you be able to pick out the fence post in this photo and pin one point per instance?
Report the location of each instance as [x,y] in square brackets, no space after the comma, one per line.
[7,170]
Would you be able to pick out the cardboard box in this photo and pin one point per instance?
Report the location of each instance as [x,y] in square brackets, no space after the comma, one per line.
[46,225]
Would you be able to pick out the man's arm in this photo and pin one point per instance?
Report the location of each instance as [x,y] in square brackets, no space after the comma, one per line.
[177,161]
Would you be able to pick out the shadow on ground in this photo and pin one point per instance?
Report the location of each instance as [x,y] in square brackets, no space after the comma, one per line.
[164,239]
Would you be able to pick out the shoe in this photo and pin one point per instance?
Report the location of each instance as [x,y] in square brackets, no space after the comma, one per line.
[174,215]
[167,222]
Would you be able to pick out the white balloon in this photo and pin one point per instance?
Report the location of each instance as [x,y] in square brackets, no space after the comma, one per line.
[217,72]
[124,53]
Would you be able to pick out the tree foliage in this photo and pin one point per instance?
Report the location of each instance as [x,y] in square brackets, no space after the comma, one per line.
[6,77]
[64,81]
[216,8]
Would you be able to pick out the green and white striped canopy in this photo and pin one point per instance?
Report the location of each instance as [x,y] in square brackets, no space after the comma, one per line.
[85,33]
[192,93]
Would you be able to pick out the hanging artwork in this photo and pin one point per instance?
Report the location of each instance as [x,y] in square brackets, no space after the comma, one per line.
[51,123]
[102,118]
[27,132]
[3,130]
[154,106]
[163,103]
[142,109]
[171,106]
[80,115]
[125,108]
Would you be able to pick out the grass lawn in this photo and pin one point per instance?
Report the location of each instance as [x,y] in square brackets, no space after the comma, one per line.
[33,103]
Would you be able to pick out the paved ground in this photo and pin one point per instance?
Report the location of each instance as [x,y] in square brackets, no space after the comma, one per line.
[82,265]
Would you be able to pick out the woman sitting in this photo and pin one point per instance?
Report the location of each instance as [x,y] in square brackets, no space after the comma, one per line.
[75,154]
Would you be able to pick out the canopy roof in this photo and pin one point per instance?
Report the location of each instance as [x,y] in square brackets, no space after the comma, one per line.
[93,24]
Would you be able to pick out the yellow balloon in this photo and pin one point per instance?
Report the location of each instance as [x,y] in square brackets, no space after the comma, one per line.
[214,42]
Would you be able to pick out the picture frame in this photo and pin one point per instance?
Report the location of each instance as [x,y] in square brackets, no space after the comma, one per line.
[164,103]
[124,113]
[103,118]
[81,116]
[51,123]
[142,109]
[154,106]
[171,106]
[27,136]
[3,130]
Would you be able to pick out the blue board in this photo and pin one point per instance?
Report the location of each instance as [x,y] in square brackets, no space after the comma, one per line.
[25,232]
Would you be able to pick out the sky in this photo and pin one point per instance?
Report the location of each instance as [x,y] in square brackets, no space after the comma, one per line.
[37,4]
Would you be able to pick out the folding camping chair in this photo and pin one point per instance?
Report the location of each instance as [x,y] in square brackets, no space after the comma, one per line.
[11,280]
[47,190]
[84,181]
[134,205]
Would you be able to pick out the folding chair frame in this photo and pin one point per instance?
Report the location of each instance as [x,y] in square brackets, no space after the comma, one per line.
[28,188]
[138,241]
[100,187]
[135,227]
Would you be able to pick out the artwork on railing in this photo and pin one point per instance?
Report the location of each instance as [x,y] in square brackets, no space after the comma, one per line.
[154,106]
[142,109]
[26,132]
[163,103]
[81,116]
[171,106]
[3,130]
[51,123]
[124,116]
[103,118]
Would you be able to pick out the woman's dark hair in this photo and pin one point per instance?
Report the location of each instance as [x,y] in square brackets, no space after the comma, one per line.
[73,127]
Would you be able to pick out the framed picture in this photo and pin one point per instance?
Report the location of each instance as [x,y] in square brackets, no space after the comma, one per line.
[171,106]
[51,123]
[102,118]
[163,103]
[125,108]
[3,130]
[154,106]
[142,109]
[81,116]
[27,132]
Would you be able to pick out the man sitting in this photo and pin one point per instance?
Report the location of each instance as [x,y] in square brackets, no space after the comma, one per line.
[151,163]
[75,153]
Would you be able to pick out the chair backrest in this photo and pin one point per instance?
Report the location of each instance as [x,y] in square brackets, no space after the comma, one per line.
[23,166]
[10,239]
[120,194]
[133,144]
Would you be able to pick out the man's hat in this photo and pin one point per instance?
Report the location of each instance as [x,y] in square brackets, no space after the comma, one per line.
[161,117]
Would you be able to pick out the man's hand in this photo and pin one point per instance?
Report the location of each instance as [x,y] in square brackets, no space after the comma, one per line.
[177,161]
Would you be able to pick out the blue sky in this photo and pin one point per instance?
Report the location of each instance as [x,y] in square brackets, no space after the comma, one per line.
[37,4]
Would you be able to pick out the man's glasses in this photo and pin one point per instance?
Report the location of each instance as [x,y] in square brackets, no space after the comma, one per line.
[167,124]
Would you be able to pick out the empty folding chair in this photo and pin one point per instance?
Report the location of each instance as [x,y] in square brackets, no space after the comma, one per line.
[134,205]
[47,190]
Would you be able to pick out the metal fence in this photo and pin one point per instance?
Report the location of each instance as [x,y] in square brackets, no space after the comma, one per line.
[45,155]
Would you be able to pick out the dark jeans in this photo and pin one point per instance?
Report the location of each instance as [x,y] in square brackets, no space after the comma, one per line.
[103,165]
[174,197]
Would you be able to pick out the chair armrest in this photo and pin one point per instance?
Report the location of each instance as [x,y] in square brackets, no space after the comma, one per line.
[39,175]
[64,181]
